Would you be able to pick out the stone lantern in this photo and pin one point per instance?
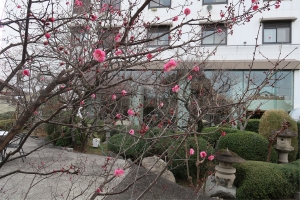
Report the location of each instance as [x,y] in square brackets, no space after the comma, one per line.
[284,146]
[225,172]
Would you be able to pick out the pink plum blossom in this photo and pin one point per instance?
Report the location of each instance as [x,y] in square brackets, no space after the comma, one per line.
[170,65]
[113,97]
[203,154]
[253,1]
[187,11]
[93,96]
[78,3]
[18,6]
[161,104]
[196,69]
[255,7]
[118,52]
[119,172]
[190,77]
[149,56]
[81,103]
[176,88]
[118,116]
[130,112]
[118,37]
[47,35]
[223,133]
[131,132]
[98,190]
[211,157]
[192,151]
[175,18]
[94,17]
[99,55]
[124,92]
[51,19]
[26,72]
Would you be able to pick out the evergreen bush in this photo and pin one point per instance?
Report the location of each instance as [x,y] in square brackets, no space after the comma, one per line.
[178,166]
[6,125]
[215,133]
[272,121]
[263,180]
[252,125]
[248,145]
[7,115]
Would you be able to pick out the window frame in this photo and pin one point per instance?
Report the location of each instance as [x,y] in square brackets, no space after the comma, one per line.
[203,3]
[276,23]
[159,6]
[224,28]
[104,1]
[75,31]
[167,29]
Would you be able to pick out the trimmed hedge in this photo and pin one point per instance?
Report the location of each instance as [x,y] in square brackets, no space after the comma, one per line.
[7,115]
[122,139]
[122,142]
[212,138]
[248,145]
[178,166]
[253,125]
[6,125]
[272,120]
[262,180]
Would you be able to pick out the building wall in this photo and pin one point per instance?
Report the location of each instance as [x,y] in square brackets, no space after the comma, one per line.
[241,45]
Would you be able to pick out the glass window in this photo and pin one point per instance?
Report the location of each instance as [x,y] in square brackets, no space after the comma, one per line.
[116,4]
[277,32]
[107,37]
[159,3]
[79,35]
[81,9]
[214,34]
[214,2]
[161,35]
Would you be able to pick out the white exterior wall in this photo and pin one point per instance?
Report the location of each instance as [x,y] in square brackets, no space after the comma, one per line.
[235,49]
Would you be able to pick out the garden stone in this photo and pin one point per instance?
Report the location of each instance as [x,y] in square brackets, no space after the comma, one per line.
[212,190]
[157,165]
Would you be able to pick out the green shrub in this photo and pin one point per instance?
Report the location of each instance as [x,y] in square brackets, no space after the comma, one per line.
[215,134]
[248,145]
[6,125]
[298,124]
[129,147]
[271,121]
[252,125]
[7,115]
[178,166]
[262,180]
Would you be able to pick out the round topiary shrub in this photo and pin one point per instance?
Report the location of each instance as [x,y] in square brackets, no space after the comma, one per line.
[127,146]
[248,145]
[263,180]
[253,125]
[271,121]
[178,166]
[215,133]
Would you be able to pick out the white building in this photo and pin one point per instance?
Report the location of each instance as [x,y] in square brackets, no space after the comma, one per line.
[277,38]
